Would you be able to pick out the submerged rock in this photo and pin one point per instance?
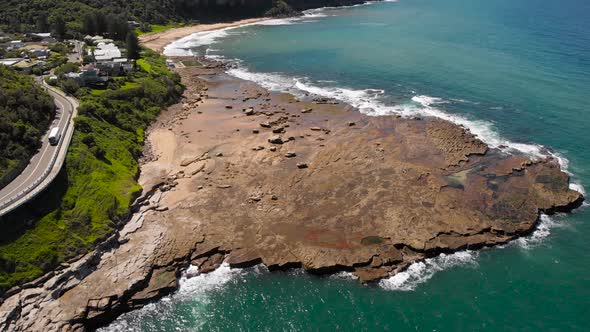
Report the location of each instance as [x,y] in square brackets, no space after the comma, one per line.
[391,192]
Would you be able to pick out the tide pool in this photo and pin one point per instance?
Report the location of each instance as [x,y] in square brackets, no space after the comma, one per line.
[517,73]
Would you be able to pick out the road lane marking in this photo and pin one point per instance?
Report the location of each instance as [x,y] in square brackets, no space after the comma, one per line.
[44,152]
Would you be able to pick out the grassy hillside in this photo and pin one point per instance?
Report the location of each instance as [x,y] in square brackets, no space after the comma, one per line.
[26,112]
[98,182]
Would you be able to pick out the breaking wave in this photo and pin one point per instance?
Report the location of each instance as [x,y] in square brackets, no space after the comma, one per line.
[368,101]
[421,272]
[372,102]
[198,289]
[186,46]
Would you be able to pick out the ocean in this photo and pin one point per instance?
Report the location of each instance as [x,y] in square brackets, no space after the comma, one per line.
[515,72]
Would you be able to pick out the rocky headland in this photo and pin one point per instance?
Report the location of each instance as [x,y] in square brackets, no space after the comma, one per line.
[239,174]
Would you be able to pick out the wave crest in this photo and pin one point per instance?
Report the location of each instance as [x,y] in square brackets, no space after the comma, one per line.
[420,272]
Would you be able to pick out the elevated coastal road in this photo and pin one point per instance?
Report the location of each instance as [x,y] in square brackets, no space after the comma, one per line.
[46,164]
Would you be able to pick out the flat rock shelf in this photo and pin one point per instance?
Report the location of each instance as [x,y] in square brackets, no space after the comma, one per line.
[239,174]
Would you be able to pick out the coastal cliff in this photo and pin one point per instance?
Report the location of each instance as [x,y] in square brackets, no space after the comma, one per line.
[239,174]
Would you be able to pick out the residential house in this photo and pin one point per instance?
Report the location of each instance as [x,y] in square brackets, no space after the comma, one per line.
[40,53]
[9,62]
[48,41]
[21,64]
[106,52]
[15,45]
[41,34]
[115,67]
[27,65]
[88,76]
[95,40]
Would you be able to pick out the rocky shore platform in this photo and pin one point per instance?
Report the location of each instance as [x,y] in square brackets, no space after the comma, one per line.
[239,174]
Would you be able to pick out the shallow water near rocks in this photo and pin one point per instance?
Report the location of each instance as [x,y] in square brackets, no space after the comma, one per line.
[516,72]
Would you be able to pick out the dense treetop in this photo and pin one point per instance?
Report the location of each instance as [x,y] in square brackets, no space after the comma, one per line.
[73,18]
[25,113]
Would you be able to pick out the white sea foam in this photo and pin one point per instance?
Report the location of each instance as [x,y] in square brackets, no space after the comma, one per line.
[369,101]
[546,224]
[343,275]
[198,288]
[185,46]
[422,271]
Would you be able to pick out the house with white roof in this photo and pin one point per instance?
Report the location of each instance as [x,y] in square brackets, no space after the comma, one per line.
[10,61]
[106,52]
[41,34]
[15,45]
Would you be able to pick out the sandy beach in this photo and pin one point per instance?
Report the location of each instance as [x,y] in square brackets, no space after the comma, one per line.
[238,174]
[157,41]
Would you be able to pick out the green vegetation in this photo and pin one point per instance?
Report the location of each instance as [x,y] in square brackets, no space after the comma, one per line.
[280,9]
[26,111]
[132,44]
[124,86]
[98,182]
[76,18]
[155,28]
[144,65]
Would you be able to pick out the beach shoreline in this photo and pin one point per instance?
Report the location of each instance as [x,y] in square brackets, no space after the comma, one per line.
[239,174]
[159,40]
[242,175]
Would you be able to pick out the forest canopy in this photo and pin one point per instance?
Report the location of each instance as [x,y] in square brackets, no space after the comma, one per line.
[26,111]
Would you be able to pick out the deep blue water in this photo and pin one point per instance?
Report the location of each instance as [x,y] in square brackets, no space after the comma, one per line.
[514,71]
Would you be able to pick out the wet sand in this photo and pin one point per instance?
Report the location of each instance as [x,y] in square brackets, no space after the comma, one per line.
[240,174]
[157,41]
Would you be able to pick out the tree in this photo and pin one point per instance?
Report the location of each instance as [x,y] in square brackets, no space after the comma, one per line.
[59,27]
[100,22]
[280,9]
[87,59]
[145,27]
[70,86]
[42,24]
[132,46]
[118,28]
[88,24]
[98,152]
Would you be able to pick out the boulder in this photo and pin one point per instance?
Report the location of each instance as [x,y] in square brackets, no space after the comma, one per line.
[276,140]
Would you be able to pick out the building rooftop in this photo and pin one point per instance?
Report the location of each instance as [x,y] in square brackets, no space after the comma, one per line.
[28,64]
[41,34]
[10,61]
[106,51]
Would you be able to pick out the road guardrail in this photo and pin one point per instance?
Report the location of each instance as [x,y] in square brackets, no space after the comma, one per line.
[5,206]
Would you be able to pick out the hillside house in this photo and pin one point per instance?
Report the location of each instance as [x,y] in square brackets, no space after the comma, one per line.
[15,45]
[88,76]
[106,52]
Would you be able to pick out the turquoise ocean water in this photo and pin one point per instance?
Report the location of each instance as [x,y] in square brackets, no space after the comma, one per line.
[517,72]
